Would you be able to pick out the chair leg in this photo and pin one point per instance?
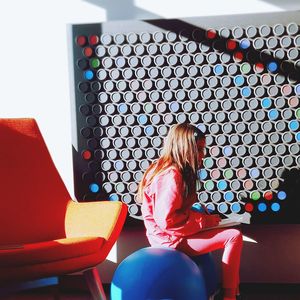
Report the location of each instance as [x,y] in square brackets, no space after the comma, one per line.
[94,283]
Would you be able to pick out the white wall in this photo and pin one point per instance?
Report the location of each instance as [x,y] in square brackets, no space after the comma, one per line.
[34,80]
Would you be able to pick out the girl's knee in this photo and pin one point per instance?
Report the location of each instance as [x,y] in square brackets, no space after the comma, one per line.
[236,236]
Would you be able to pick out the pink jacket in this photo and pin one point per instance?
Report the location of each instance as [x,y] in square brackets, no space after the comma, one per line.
[167,215]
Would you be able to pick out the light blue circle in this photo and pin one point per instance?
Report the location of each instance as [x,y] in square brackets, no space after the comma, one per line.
[239,80]
[245,43]
[113,197]
[149,130]
[236,207]
[122,108]
[294,125]
[222,185]
[281,195]
[210,206]
[272,66]
[229,196]
[297,89]
[202,174]
[202,127]
[174,106]
[222,208]
[254,173]
[266,103]
[298,136]
[227,151]
[94,187]
[218,69]
[275,206]
[119,165]
[88,75]
[142,119]
[246,91]
[262,207]
[273,114]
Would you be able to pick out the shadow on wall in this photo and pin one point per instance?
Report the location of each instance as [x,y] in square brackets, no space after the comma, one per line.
[286,5]
[123,10]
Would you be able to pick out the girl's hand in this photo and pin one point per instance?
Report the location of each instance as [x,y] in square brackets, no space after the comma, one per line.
[212,220]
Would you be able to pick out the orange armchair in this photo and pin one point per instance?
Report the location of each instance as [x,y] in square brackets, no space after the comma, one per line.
[43,232]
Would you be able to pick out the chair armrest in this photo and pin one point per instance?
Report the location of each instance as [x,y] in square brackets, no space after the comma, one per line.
[102,219]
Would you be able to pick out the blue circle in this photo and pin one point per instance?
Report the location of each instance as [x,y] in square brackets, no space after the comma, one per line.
[298,136]
[272,66]
[142,119]
[222,208]
[174,106]
[149,130]
[297,89]
[229,196]
[266,103]
[273,114]
[94,187]
[254,173]
[122,108]
[227,151]
[113,197]
[262,207]
[246,91]
[294,125]
[236,207]
[202,174]
[88,75]
[222,185]
[197,207]
[245,43]
[218,69]
[275,206]
[281,195]
[210,206]
[239,80]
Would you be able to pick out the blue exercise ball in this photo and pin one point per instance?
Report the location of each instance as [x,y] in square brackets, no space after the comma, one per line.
[158,273]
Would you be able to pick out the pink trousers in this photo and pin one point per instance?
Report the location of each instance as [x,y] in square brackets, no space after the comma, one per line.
[228,239]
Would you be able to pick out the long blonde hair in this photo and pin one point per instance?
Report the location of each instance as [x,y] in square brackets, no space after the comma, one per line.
[180,150]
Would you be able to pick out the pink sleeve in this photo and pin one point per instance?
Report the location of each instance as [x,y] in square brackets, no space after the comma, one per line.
[167,211]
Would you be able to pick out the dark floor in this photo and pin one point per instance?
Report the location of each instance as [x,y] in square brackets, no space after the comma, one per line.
[248,291]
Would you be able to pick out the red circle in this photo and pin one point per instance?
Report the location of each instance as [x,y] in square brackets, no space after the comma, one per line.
[81,40]
[211,34]
[259,67]
[88,51]
[238,56]
[86,154]
[249,207]
[268,195]
[94,39]
[231,44]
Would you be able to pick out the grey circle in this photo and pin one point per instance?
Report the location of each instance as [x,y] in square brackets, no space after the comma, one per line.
[265,30]
[247,115]
[158,36]
[259,91]
[118,142]
[274,161]
[253,104]
[251,31]
[150,153]
[248,161]
[191,47]
[199,82]
[241,150]
[171,36]
[126,176]
[207,117]
[267,126]
[234,139]
[219,93]
[203,47]
[261,138]
[178,47]
[279,53]
[124,131]
[193,94]
[261,161]
[114,74]
[100,51]
[272,42]
[140,73]
[216,196]
[235,184]
[287,114]
[102,97]
[180,95]
[267,150]
[200,106]
[233,92]
[106,39]
[273,90]
[213,105]
[297,41]
[206,94]
[225,81]
[127,73]
[240,127]
[225,58]
[214,128]
[133,61]
[240,104]
[113,50]
[237,32]
[194,118]
[206,70]
[279,78]
[260,115]
[136,131]
[294,149]
[254,127]
[220,139]
[187,106]
[129,119]
[144,142]
[252,79]
[292,28]
[162,130]
[220,116]
[280,102]
[125,154]
[173,83]
[293,53]
[226,105]
[153,72]
[198,58]
[232,69]
[131,142]
[192,71]
[181,118]
[281,149]
[101,74]
[278,29]
[126,50]
[104,120]
[152,49]
[159,60]
[209,140]
[287,137]
[247,138]
[274,138]
[258,43]
[166,72]
[168,118]
[156,142]
[179,71]
[227,128]
[261,184]
[212,58]
[268,172]
[132,38]
[224,32]
[145,37]
[254,150]
[285,41]
[111,131]
[280,125]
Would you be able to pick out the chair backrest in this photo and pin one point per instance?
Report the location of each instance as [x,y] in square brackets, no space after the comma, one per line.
[33,197]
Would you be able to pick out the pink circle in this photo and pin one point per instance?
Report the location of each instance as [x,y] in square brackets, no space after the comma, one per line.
[286,90]
[248,184]
[293,101]
[214,151]
[215,174]
[241,173]
[266,79]
[221,162]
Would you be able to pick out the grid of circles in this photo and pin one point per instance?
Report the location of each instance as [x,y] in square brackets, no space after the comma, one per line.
[245,98]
